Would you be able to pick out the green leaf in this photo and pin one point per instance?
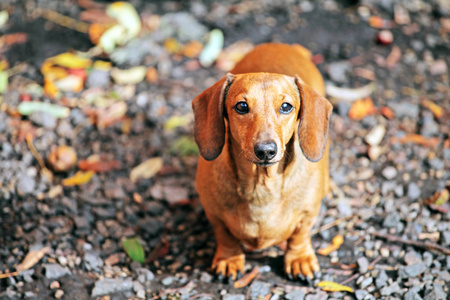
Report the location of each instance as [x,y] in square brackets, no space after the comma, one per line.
[58,111]
[184,146]
[134,249]
[3,81]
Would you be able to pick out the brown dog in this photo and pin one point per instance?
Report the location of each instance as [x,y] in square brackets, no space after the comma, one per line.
[262,133]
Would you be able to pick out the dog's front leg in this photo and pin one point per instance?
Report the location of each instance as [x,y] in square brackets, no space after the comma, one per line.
[229,259]
[300,261]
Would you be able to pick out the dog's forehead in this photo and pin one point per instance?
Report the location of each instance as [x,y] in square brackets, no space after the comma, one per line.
[262,83]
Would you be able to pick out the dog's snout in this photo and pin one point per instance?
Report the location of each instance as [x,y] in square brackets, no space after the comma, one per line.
[266,150]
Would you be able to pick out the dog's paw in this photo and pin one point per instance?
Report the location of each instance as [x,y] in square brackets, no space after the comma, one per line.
[231,267]
[302,266]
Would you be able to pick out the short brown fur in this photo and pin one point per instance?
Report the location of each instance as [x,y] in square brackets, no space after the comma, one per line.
[263,203]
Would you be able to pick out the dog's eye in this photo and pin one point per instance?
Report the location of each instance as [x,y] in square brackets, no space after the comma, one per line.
[241,107]
[286,108]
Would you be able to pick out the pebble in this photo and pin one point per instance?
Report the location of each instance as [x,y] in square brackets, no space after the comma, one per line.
[337,71]
[412,295]
[92,261]
[259,288]
[28,295]
[139,289]
[25,185]
[389,172]
[320,295]
[439,67]
[391,220]
[366,282]
[295,295]
[233,297]
[59,294]
[435,293]
[98,78]
[412,258]
[363,264]
[375,136]
[145,275]
[413,191]
[108,286]
[381,280]
[392,289]
[55,271]
[206,277]
[405,109]
[54,285]
[411,270]
[360,294]
[43,119]
[168,280]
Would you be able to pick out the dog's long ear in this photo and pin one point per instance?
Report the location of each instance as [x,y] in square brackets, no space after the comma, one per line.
[209,125]
[314,115]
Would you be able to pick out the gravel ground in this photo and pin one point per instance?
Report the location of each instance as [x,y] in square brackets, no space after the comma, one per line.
[383,186]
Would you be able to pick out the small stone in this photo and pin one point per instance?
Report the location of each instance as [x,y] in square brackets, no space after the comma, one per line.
[295,295]
[43,119]
[145,275]
[26,275]
[54,285]
[439,67]
[391,220]
[233,297]
[55,271]
[337,71]
[412,258]
[360,294]
[412,295]
[168,280]
[375,136]
[381,280]
[413,191]
[59,294]
[385,37]
[344,208]
[138,288]
[30,295]
[411,270]
[108,286]
[392,289]
[25,185]
[363,264]
[405,109]
[62,260]
[435,293]
[320,295]
[259,288]
[366,282]
[206,277]
[389,172]
[98,78]
[92,261]
[387,186]
[264,269]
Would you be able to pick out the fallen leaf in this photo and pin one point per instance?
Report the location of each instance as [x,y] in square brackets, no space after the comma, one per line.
[13,38]
[112,260]
[361,108]
[32,258]
[172,46]
[58,111]
[416,139]
[330,286]
[159,251]
[437,111]
[96,31]
[127,16]
[70,61]
[184,146]
[79,178]
[3,81]
[377,22]
[177,121]
[108,116]
[232,54]
[192,49]
[375,136]
[129,76]
[393,57]
[134,249]
[387,112]
[99,166]
[71,83]
[147,169]
[152,75]
[4,16]
[350,95]
[246,279]
[433,236]
[336,242]
[440,201]
[212,48]
[401,15]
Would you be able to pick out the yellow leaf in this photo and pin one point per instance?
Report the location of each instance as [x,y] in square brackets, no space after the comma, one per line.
[102,65]
[177,121]
[70,61]
[79,178]
[435,109]
[32,258]
[172,46]
[331,286]
[146,169]
[129,76]
[335,244]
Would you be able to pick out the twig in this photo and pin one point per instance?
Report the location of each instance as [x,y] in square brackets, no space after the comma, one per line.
[64,21]
[433,247]
[350,279]
[330,225]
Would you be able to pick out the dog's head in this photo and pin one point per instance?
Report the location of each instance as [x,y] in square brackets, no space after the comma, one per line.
[263,111]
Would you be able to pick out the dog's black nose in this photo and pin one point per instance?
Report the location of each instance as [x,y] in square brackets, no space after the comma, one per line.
[266,150]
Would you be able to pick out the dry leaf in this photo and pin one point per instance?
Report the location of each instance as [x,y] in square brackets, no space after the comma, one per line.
[335,244]
[330,286]
[393,57]
[152,75]
[362,108]
[416,139]
[387,112]
[440,201]
[62,158]
[192,49]
[247,278]
[147,169]
[32,258]
[79,178]
[96,164]
[350,95]
[437,111]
